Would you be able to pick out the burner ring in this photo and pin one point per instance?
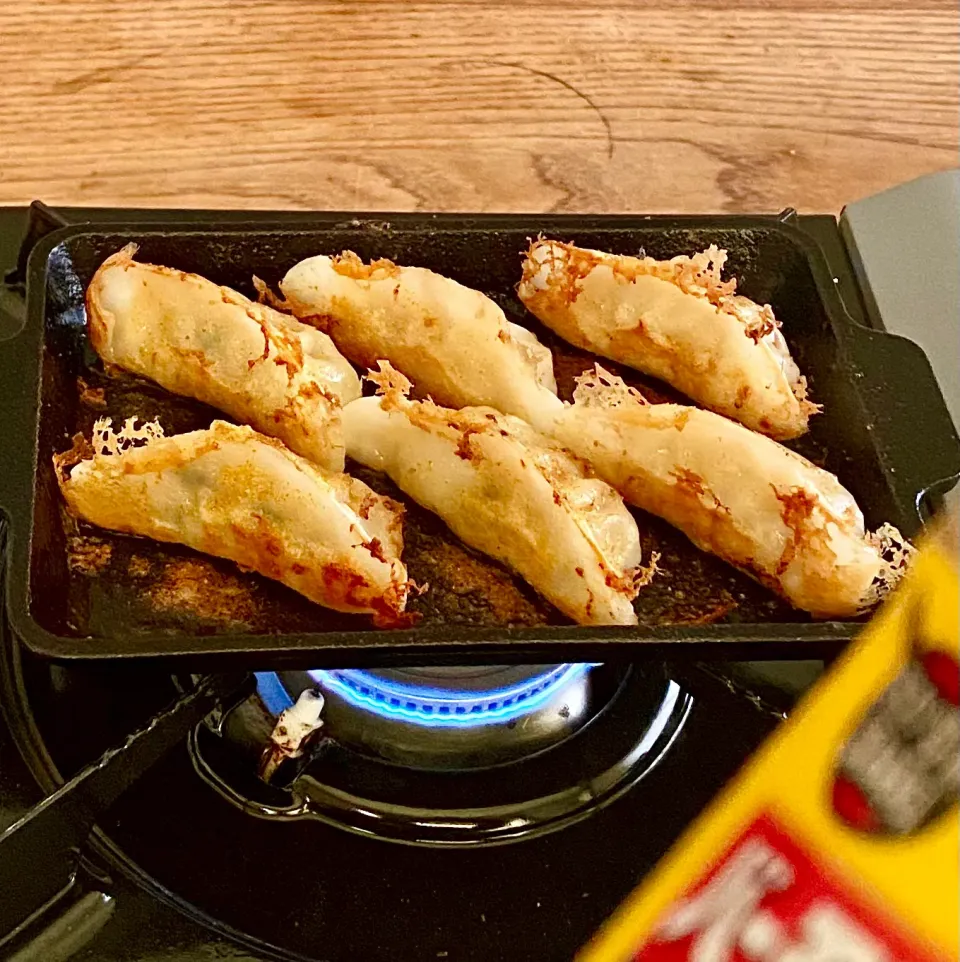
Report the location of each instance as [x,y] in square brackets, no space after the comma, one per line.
[644,712]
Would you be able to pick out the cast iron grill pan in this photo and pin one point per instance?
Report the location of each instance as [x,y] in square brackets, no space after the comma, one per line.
[78,592]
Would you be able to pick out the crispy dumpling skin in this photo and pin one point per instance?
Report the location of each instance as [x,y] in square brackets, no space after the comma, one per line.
[453,342]
[735,493]
[676,320]
[198,339]
[236,494]
[509,492]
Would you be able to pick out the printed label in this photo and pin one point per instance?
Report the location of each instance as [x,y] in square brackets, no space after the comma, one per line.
[767,900]
[901,768]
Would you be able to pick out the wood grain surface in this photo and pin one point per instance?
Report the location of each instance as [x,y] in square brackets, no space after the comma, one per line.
[734,105]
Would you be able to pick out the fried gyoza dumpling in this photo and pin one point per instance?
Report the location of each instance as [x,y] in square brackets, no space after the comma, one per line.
[509,492]
[208,342]
[236,494]
[741,496]
[454,343]
[676,320]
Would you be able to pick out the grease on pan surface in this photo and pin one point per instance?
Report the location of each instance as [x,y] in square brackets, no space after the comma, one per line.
[121,583]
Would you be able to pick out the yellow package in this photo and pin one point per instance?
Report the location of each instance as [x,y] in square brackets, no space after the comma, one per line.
[839,841]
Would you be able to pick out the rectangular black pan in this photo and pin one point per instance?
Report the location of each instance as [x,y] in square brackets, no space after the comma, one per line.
[75,592]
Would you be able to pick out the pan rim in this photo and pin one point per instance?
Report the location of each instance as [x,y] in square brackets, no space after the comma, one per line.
[329,649]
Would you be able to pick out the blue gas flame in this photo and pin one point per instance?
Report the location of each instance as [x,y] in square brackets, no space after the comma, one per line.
[423,705]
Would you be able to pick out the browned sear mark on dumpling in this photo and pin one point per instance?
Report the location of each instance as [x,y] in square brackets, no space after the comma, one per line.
[350,265]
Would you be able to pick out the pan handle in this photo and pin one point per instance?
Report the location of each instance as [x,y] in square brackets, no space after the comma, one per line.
[907,417]
[39,854]
[19,374]
[19,400]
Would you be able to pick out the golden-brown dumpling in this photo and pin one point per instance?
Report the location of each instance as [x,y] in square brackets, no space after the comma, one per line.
[198,339]
[453,342]
[509,492]
[236,494]
[735,493]
[676,320]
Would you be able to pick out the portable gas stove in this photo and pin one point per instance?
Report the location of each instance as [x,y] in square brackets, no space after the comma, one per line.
[463,813]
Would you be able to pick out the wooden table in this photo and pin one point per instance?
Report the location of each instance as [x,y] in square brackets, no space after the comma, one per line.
[669,105]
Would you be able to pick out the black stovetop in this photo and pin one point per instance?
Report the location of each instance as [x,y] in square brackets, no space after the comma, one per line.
[316,892]
[320,892]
